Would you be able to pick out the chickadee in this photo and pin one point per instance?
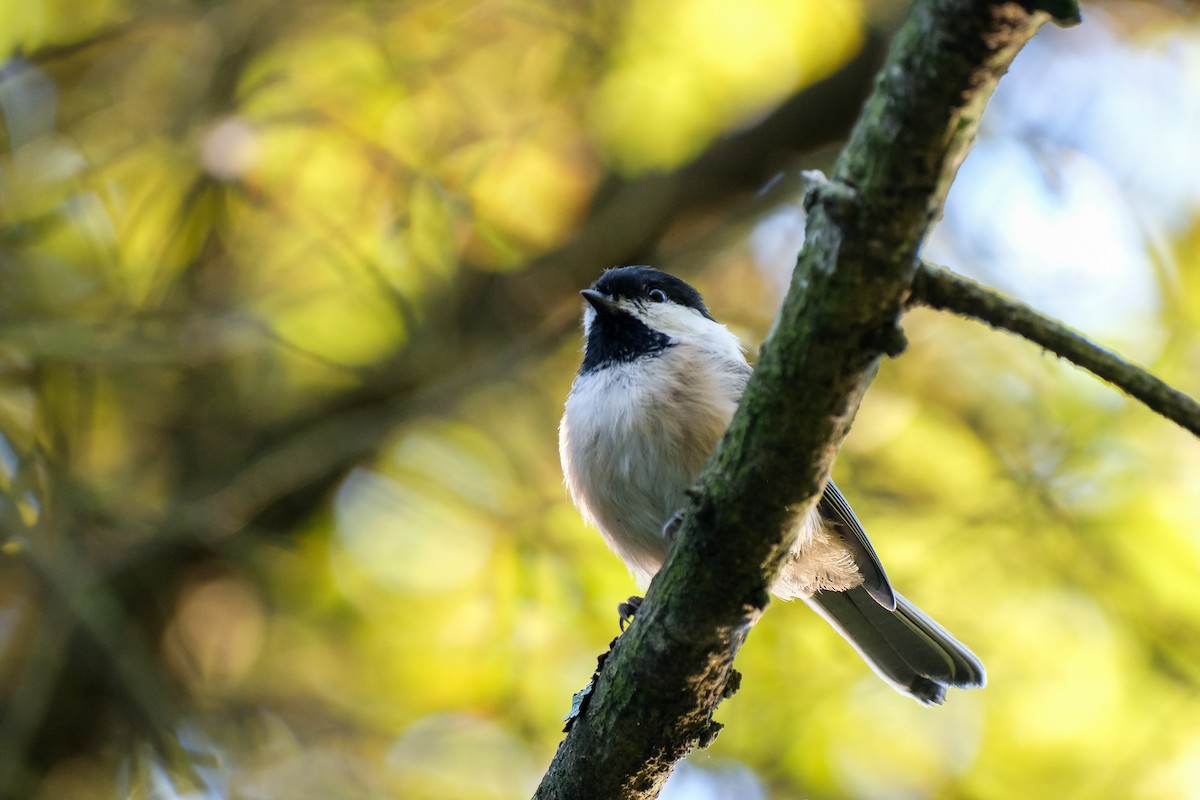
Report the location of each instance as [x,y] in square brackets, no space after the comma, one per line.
[659,383]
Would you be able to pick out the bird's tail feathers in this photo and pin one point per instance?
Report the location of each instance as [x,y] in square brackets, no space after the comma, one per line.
[905,647]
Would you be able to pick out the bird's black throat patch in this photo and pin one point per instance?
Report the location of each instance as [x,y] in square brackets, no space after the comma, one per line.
[617,338]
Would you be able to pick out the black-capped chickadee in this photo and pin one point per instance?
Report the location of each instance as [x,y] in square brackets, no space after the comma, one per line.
[659,383]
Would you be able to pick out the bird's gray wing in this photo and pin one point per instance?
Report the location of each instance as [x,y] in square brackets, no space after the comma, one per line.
[837,514]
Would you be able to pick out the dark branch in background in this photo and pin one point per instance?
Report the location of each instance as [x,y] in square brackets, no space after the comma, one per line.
[267,477]
[490,310]
[654,698]
[941,289]
[629,216]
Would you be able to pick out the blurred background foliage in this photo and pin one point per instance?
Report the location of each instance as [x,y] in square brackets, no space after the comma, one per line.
[287,315]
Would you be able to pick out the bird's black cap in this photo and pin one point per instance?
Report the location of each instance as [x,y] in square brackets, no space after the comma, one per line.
[635,282]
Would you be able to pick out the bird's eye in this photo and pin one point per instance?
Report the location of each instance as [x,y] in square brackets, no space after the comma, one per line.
[657,296]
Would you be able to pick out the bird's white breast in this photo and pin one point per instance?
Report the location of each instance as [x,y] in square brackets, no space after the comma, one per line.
[636,435]
[631,448]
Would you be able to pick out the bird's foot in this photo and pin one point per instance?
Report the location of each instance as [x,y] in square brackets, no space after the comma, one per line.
[672,526]
[627,610]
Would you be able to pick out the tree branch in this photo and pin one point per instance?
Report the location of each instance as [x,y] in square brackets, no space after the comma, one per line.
[943,290]
[655,695]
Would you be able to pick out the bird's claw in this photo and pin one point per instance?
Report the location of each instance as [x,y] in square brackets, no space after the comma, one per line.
[672,526]
[627,610]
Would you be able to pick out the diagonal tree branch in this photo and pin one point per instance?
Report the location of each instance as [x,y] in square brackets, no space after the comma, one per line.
[946,291]
[655,695]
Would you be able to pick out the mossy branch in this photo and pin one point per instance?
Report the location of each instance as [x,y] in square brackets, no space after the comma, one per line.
[654,698]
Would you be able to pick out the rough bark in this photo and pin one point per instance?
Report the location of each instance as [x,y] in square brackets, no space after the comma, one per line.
[654,698]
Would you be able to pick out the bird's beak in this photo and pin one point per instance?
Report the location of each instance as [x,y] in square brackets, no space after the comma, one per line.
[599,301]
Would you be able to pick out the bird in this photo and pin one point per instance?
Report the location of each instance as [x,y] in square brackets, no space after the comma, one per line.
[658,384]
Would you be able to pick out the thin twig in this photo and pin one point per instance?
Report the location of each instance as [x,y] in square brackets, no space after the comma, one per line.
[946,291]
